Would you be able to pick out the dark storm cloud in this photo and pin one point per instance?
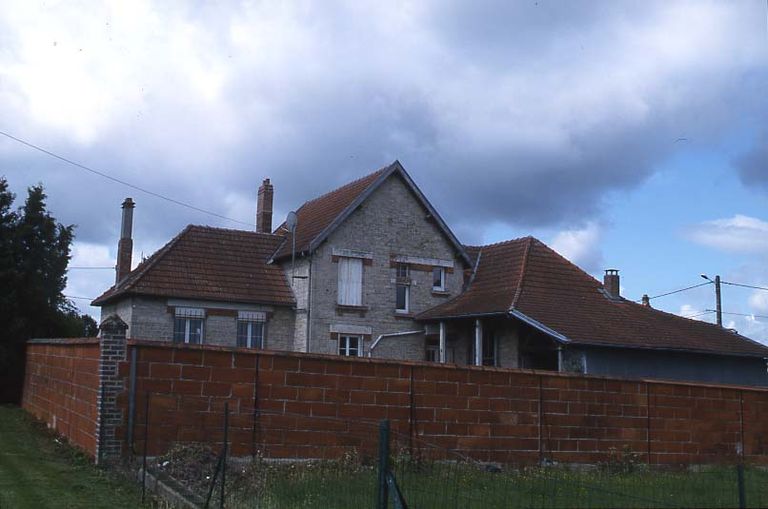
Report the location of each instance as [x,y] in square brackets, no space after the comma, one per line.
[520,113]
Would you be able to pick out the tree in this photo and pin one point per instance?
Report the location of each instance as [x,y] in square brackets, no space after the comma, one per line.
[34,254]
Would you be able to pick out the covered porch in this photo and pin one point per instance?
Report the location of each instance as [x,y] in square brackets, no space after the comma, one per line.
[499,340]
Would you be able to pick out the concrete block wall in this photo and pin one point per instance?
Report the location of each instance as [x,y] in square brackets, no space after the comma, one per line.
[293,405]
[61,388]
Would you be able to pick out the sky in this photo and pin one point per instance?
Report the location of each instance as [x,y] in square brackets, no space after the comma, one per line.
[627,135]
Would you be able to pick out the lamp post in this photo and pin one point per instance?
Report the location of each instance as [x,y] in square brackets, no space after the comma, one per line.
[718,302]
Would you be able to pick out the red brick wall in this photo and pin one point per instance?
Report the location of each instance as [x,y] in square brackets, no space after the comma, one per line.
[300,405]
[61,386]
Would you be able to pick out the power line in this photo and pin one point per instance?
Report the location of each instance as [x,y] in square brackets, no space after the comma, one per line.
[742,314]
[745,286]
[117,180]
[699,314]
[76,297]
[88,268]
[677,291]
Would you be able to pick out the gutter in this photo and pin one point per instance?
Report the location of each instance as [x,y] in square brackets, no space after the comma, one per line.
[390,335]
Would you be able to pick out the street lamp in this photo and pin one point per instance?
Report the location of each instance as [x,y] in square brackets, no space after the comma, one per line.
[718,304]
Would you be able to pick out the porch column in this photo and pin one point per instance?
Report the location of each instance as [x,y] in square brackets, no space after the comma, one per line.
[478,342]
[442,342]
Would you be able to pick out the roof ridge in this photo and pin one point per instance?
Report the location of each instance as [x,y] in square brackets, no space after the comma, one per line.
[500,243]
[523,267]
[233,230]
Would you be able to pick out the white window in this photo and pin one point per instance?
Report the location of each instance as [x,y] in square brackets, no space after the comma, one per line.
[402,288]
[350,346]
[250,329]
[188,325]
[350,281]
[402,297]
[438,279]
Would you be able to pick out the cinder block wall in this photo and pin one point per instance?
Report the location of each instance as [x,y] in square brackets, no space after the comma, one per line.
[61,387]
[294,405]
[299,405]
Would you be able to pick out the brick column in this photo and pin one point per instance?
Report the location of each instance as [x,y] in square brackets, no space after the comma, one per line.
[110,415]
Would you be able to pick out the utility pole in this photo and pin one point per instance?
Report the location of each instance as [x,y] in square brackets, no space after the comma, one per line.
[718,302]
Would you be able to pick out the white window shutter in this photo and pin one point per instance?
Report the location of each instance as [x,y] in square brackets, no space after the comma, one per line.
[351,281]
[356,281]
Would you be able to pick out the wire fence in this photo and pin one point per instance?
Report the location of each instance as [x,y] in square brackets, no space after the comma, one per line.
[225,458]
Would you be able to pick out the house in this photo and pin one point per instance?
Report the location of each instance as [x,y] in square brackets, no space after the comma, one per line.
[371,269]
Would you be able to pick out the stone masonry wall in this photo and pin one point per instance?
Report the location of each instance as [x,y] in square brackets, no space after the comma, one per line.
[390,222]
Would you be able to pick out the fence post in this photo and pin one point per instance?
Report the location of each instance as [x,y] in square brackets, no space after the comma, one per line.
[381,492]
[742,491]
[224,455]
[112,351]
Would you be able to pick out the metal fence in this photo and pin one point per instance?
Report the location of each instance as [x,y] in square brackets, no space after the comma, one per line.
[357,463]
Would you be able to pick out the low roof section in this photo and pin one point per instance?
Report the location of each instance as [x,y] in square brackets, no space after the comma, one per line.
[209,263]
[526,279]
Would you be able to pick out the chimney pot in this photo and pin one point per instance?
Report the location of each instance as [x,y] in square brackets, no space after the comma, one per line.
[646,300]
[611,283]
[125,245]
[264,207]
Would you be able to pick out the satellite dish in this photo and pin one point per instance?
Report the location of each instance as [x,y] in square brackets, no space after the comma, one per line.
[291,221]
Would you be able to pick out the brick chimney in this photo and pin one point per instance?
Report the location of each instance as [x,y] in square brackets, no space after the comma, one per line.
[125,246]
[611,283]
[264,207]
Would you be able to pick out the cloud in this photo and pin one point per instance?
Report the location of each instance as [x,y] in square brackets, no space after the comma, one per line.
[738,234]
[581,246]
[503,112]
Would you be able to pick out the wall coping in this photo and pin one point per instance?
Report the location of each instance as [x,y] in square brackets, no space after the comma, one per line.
[135,342]
[63,341]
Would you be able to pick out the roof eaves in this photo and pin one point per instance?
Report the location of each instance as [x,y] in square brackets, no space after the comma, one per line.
[315,243]
[433,212]
[670,349]
[538,325]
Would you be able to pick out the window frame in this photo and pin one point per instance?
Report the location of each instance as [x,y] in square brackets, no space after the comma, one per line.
[442,286]
[345,347]
[249,336]
[407,304]
[344,265]
[187,333]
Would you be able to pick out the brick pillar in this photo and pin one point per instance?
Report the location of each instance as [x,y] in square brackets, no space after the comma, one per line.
[110,415]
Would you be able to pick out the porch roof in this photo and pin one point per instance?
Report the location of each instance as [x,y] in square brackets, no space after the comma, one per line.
[526,278]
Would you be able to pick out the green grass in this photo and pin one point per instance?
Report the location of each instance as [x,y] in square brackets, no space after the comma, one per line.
[37,471]
[440,485]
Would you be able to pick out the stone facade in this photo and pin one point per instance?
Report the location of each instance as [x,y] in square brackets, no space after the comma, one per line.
[390,223]
[153,319]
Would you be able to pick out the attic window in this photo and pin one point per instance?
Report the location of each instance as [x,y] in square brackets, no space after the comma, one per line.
[438,279]
[350,281]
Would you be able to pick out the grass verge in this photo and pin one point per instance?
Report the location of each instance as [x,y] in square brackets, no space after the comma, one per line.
[39,471]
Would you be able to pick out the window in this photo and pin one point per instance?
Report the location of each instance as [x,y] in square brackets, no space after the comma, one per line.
[349,345]
[402,288]
[350,282]
[188,326]
[250,329]
[402,297]
[438,279]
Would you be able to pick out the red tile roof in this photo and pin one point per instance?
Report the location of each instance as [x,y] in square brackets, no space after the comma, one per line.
[318,214]
[213,264]
[527,276]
